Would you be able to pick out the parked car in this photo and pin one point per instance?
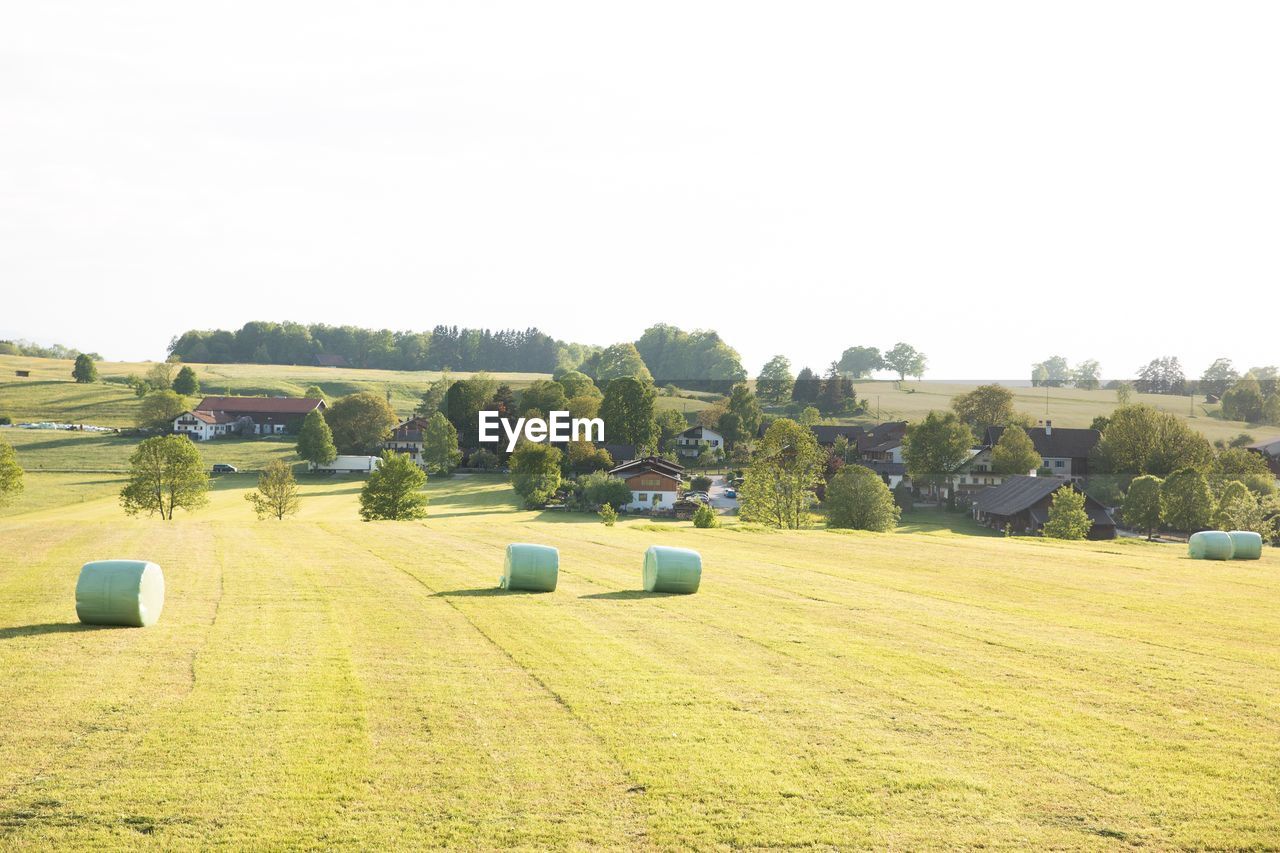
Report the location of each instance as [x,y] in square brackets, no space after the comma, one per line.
[698,497]
[731,493]
[223,468]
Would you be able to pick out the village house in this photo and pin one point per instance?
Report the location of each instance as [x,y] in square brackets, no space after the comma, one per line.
[1065,452]
[407,438]
[1021,505]
[694,440]
[219,416]
[654,482]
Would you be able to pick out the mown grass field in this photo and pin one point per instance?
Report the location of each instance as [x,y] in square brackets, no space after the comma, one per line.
[327,683]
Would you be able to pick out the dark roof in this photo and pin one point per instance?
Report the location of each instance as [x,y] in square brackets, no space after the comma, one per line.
[620,452]
[650,463]
[895,468]
[1270,447]
[332,361]
[696,432]
[1021,492]
[260,405]
[1063,441]
[828,433]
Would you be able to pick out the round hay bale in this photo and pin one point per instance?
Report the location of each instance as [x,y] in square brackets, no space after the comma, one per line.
[1209,545]
[120,592]
[672,569]
[535,568]
[1245,545]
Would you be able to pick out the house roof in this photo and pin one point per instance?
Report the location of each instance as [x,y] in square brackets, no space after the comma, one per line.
[895,468]
[828,433]
[620,452]
[699,432]
[1270,447]
[210,417]
[650,463]
[1020,492]
[1064,442]
[260,405]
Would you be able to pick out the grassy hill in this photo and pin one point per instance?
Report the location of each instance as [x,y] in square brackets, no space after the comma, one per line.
[49,394]
[328,683]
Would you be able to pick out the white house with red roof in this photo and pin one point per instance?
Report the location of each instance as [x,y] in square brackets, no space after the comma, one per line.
[219,416]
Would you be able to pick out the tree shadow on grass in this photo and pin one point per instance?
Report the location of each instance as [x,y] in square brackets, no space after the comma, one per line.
[49,628]
[627,595]
[484,592]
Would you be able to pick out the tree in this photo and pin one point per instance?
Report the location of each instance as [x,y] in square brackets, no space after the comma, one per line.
[670,424]
[160,376]
[743,404]
[186,383]
[1068,518]
[1238,509]
[1142,440]
[1088,375]
[627,411]
[543,395]
[433,398]
[1162,376]
[730,426]
[1124,393]
[857,498]
[600,489]
[905,360]
[159,409]
[10,473]
[859,362]
[1014,452]
[467,398]
[1236,463]
[1218,377]
[1271,410]
[583,457]
[1099,422]
[622,360]
[315,392]
[576,383]
[392,491]
[809,417]
[1187,500]
[705,517]
[85,371]
[1053,372]
[807,387]
[837,395]
[608,515]
[440,444]
[1243,401]
[165,473]
[1142,510]
[277,492]
[985,406]
[535,472]
[315,440]
[775,381]
[360,422]
[934,448]
[779,488]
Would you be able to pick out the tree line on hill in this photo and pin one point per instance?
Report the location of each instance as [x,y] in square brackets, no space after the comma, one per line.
[33,350]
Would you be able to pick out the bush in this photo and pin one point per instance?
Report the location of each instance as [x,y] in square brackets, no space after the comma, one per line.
[599,489]
[857,498]
[1067,516]
[700,483]
[704,517]
[5,420]
[608,515]
[535,473]
[485,460]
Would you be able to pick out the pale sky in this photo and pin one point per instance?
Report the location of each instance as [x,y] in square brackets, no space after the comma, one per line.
[993,182]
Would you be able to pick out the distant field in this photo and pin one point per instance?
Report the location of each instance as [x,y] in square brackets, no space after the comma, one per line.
[50,394]
[327,683]
[1066,407]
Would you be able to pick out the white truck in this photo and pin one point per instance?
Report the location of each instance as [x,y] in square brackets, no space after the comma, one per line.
[348,465]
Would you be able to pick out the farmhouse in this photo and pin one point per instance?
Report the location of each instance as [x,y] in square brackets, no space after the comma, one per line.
[1021,503]
[1065,451]
[654,482]
[216,416]
[694,440]
[407,438]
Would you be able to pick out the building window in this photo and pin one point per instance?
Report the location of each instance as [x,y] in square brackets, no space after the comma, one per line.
[642,497]
[1057,463]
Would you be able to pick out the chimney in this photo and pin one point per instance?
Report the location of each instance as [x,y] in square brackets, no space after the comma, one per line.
[1048,427]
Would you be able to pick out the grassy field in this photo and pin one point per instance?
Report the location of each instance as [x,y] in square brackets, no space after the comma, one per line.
[327,683]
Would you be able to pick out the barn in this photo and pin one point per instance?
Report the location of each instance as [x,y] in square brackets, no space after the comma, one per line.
[1021,504]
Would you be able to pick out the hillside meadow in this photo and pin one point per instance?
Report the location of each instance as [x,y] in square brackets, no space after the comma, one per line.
[322,682]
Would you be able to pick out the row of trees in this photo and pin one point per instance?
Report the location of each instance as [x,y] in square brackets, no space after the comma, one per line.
[1187,500]
[1055,372]
[34,350]
[444,347]
[903,359]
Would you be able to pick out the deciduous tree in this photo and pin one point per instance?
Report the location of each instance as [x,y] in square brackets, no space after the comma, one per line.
[159,409]
[393,491]
[780,487]
[775,381]
[857,498]
[1187,500]
[985,406]
[627,411]
[277,492]
[166,473]
[906,360]
[1142,440]
[1068,518]
[1142,509]
[186,383]
[440,444]
[860,362]
[1014,453]
[535,472]
[85,370]
[10,473]
[315,440]
[360,422]
[935,448]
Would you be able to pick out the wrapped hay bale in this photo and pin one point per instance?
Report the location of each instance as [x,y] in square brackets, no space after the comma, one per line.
[672,569]
[1245,545]
[1210,545]
[120,592]
[535,568]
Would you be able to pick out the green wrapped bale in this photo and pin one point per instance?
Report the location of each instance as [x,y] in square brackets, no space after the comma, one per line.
[1210,545]
[1245,545]
[534,568]
[120,592]
[672,570]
